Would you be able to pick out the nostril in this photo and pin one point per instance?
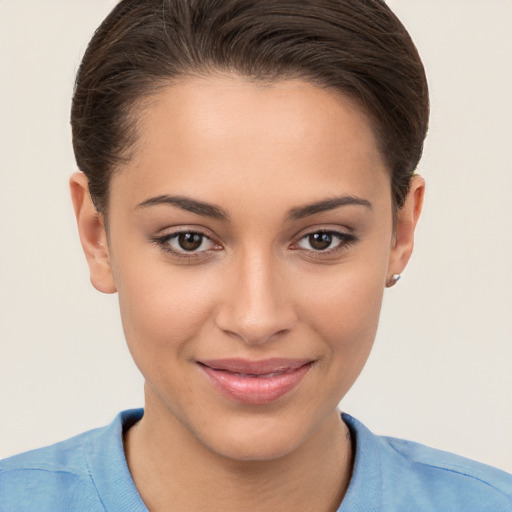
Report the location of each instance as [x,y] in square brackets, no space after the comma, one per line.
[255,312]
[255,334]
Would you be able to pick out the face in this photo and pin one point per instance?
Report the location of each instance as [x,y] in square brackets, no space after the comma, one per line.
[250,239]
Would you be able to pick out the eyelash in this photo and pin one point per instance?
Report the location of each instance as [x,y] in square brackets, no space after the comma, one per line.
[345,240]
[163,242]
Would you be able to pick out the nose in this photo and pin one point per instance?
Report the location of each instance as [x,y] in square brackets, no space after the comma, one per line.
[256,306]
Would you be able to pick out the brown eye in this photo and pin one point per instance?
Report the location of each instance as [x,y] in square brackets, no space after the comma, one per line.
[190,241]
[326,241]
[320,241]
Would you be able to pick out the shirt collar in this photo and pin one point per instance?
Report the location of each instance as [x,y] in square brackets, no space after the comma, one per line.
[106,462]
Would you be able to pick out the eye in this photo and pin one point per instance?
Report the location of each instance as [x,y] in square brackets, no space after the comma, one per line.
[325,241]
[186,243]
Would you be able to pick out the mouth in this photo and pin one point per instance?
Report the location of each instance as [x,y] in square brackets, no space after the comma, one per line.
[255,382]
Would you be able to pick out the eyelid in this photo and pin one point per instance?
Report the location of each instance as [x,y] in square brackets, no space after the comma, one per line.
[346,238]
[185,228]
[162,238]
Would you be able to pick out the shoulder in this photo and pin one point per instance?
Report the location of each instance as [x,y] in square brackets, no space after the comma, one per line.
[52,478]
[430,479]
[454,479]
[87,472]
[470,471]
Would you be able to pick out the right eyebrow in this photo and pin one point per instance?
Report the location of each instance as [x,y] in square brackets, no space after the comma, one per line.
[190,205]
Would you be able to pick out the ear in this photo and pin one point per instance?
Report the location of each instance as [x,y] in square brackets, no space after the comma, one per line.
[92,234]
[407,218]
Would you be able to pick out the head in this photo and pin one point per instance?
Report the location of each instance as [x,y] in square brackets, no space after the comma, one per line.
[248,188]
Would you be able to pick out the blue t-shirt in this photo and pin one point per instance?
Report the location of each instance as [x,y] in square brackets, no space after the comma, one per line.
[88,473]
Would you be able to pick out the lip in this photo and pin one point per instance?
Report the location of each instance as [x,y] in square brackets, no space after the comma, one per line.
[255,382]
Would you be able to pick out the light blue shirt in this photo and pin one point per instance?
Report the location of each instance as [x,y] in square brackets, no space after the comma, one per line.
[88,473]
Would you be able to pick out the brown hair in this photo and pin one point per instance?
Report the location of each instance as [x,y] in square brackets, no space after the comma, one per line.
[357,47]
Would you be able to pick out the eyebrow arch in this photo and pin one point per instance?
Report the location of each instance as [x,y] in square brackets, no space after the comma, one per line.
[216,212]
[326,205]
[190,205]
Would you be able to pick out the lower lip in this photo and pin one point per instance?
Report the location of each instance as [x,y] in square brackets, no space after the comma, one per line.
[257,390]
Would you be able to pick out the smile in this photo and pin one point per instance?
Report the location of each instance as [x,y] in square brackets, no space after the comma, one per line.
[255,382]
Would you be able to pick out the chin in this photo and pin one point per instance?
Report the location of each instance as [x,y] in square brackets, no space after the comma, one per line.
[254,444]
[263,436]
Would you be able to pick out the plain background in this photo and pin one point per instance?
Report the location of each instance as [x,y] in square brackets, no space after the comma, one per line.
[440,372]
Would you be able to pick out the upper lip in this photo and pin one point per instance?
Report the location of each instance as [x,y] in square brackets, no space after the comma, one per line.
[261,367]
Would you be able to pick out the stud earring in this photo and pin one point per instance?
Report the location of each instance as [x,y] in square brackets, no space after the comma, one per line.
[393,280]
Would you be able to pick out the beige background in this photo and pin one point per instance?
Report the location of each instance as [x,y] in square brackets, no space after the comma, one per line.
[441,369]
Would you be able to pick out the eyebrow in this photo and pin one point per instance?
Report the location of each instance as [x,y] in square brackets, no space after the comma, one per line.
[326,205]
[190,205]
[216,212]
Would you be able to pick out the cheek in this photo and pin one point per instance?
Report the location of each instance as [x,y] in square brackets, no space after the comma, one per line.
[343,311]
[347,312]
[163,309]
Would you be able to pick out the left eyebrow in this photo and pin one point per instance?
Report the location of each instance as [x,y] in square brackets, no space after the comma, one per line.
[326,205]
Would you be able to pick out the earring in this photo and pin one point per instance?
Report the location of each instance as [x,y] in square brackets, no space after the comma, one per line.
[393,280]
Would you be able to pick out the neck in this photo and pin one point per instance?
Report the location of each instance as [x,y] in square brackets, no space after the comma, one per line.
[170,466]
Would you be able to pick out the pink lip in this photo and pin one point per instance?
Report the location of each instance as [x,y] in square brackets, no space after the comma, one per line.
[255,382]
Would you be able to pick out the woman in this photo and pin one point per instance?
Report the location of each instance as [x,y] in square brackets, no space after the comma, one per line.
[248,189]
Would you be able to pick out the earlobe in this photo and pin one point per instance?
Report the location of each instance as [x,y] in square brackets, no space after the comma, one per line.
[92,235]
[407,218]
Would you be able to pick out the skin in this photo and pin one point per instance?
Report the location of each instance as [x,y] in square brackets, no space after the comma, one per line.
[256,289]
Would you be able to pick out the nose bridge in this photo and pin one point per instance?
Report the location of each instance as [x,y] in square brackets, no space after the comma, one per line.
[256,305]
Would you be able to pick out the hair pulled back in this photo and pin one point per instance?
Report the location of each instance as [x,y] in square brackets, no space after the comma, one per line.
[357,47]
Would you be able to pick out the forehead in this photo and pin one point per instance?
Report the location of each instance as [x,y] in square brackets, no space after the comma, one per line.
[230,131]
